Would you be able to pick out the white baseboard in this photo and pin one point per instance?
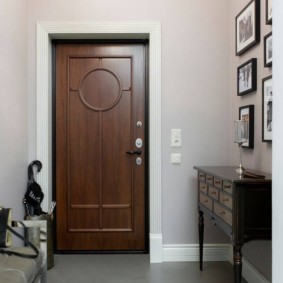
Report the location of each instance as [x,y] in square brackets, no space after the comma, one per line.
[251,274]
[211,252]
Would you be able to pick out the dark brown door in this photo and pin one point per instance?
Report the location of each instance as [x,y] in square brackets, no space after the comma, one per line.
[100,168]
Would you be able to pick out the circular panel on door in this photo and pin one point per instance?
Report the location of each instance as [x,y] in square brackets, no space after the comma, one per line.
[100,89]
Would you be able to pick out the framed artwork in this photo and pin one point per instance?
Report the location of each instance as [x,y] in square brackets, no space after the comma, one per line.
[268,50]
[268,12]
[248,27]
[247,77]
[267,109]
[246,113]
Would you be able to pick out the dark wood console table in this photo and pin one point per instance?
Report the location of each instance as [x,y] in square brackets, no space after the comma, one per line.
[240,206]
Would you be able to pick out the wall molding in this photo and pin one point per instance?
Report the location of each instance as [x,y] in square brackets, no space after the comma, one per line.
[46,31]
[251,274]
[211,252]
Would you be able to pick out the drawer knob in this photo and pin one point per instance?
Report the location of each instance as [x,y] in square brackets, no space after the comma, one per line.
[225,200]
[222,212]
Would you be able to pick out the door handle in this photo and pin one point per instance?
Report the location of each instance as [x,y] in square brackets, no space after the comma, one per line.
[137,152]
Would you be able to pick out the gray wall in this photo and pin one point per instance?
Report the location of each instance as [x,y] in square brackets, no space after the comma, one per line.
[195,89]
[198,95]
[13,105]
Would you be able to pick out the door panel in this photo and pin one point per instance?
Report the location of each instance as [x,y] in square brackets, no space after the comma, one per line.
[100,190]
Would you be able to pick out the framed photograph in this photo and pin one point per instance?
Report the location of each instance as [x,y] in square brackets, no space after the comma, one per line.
[268,50]
[267,109]
[248,27]
[268,12]
[246,113]
[247,77]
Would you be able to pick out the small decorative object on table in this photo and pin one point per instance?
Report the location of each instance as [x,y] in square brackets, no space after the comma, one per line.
[241,136]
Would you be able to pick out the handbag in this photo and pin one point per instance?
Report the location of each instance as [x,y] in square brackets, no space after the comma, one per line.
[6,232]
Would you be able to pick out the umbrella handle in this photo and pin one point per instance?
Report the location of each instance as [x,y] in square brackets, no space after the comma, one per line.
[30,169]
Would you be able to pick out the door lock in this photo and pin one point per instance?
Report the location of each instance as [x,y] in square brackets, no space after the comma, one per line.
[138,143]
[139,161]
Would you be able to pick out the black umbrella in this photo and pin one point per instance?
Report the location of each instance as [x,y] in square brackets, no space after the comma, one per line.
[34,195]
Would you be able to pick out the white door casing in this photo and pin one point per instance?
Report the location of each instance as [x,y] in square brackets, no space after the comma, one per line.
[46,31]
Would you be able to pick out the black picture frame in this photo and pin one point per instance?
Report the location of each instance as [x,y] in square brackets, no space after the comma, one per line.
[247,77]
[268,12]
[267,109]
[246,113]
[248,27]
[268,50]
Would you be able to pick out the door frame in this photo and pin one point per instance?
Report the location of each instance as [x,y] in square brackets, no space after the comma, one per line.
[46,32]
[114,42]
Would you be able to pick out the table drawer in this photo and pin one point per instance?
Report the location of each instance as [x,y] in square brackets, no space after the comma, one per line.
[203,187]
[209,179]
[217,183]
[226,199]
[227,187]
[206,201]
[213,192]
[223,213]
[201,176]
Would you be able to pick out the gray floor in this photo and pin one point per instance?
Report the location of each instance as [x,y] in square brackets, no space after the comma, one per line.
[134,269]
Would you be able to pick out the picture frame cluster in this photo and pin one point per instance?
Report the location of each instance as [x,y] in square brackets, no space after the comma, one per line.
[247,35]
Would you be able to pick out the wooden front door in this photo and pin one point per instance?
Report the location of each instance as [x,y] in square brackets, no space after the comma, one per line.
[100,147]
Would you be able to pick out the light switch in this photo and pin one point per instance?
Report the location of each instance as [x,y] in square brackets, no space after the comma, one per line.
[176,137]
[176,158]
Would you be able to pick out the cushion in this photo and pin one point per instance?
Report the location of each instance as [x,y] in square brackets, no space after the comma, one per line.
[17,269]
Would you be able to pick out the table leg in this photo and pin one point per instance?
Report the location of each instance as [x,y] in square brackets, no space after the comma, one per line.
[237,263]
[201,232]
